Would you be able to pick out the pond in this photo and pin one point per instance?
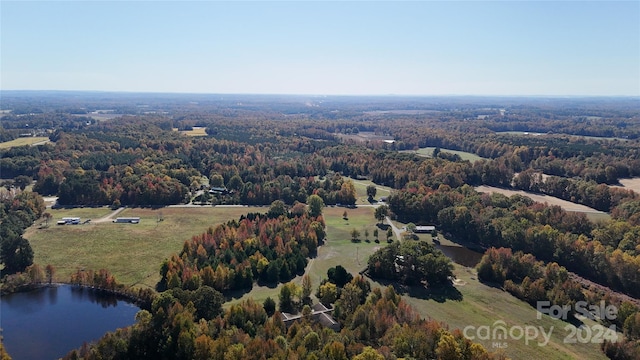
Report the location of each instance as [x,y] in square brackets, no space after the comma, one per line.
[49,322]
[461,255]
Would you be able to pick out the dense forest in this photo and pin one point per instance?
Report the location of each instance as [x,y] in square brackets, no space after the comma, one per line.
[268,248]
[283,153]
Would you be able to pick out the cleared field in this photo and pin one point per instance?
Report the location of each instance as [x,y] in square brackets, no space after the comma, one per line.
[566,205]
[24,141]
[361,191]
[195,131]
[428,152]
[630,184]
[526,133]
[86,213]
[132,252]
[483,305]
[365,136]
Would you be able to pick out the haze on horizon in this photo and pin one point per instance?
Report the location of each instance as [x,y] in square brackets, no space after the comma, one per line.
[344,48]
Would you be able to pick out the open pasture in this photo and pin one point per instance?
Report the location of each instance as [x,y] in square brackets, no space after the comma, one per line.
[195,131]
[364,136]
[526,133]
[591,213]
[132,252]
[630,184]
[22,141]
[428,152]
[361,191]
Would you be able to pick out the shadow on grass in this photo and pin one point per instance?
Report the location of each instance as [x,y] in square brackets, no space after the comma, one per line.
[237,294]
[439,294]
[492,284]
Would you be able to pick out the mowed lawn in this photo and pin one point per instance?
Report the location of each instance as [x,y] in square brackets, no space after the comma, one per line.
[428,152]
[361,191]
[132,252]
[483,305]
[23,141]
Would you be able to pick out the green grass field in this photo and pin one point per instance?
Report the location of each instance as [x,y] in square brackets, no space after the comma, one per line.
[83,213]
[134,253]
[483,305]
[23,141]
[361,191]
[428,152]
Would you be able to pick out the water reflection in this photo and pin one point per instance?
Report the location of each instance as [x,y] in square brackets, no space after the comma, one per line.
[53,295]
[461,255]
[47,323]
[100,297]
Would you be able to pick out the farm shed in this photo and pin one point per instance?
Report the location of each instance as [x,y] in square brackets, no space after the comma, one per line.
[128,220]
[425,229]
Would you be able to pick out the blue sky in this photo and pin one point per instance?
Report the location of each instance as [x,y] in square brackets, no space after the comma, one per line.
[328,47]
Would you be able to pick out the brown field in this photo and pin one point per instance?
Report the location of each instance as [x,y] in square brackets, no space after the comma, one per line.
[196,131]
[630,184]
[566,205]
[364,137]
[24,141]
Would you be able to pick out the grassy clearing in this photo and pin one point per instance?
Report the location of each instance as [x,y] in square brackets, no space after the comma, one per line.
[83,213]
[23,141]
[361,190]
[132,252]
[541,198]
[633,184]
[525,133]
[483,305]
[196,131]
[428,152]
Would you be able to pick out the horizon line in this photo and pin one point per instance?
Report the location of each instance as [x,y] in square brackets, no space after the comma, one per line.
[326,94]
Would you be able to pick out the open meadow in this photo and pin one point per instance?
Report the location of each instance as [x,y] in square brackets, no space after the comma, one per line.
[592,214]
[195,131]
[22,141]
[361,191]
[134,253]
[526,133]
[630,184]
[428,152]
